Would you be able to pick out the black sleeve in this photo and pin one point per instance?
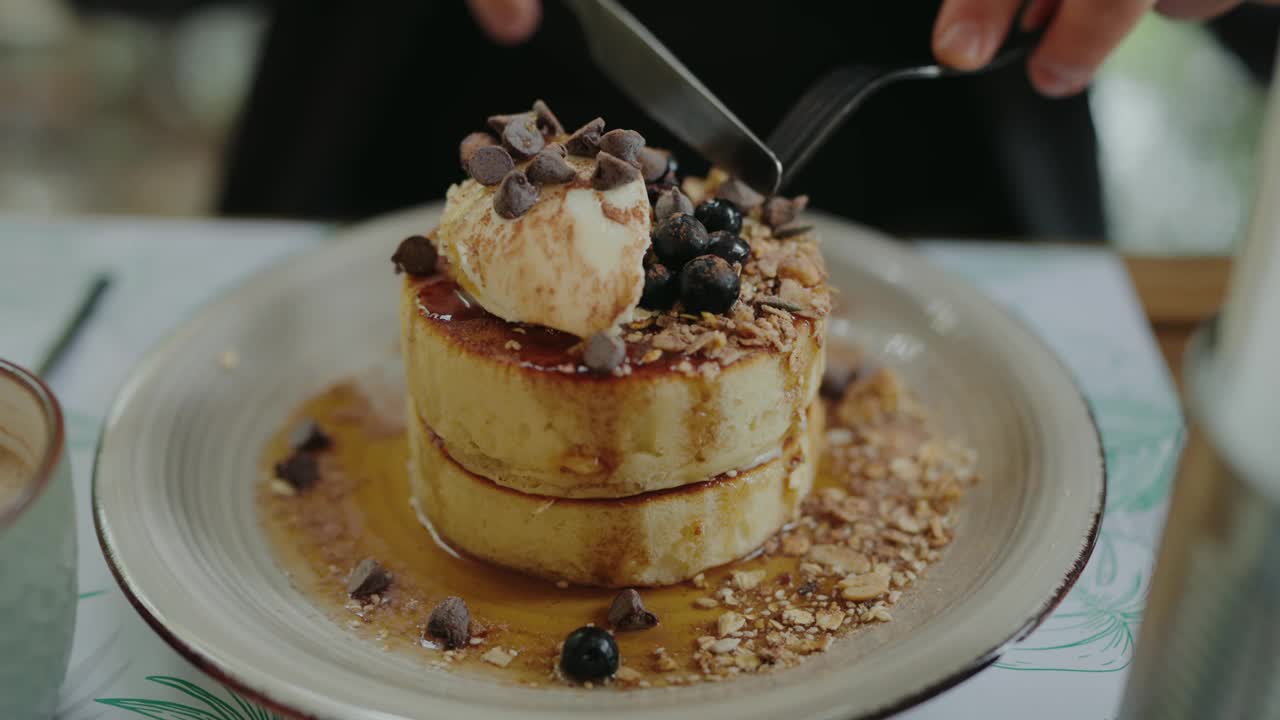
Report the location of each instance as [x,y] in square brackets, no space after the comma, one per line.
[153,9]
[1249,32]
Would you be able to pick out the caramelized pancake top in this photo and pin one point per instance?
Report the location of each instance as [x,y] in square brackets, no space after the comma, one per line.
[783,298]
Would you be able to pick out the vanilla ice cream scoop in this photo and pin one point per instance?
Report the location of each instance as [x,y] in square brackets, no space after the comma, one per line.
[573,262]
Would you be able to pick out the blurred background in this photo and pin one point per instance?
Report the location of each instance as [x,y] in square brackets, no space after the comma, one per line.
[102,112]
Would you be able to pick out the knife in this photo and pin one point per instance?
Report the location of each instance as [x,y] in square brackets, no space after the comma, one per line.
[655,80]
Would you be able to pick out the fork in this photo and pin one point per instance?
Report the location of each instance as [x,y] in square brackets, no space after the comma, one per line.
[827,103]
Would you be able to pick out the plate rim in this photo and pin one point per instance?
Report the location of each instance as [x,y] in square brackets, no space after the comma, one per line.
[895,248]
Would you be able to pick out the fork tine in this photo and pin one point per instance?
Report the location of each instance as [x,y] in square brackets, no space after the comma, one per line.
[824,107]
[796,124]
[821,110]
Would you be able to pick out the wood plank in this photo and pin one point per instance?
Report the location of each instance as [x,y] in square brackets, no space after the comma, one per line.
[1178,294]
[1173,345]
[1179,290]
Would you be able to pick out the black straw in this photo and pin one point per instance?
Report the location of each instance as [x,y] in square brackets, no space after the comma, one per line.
[85,311]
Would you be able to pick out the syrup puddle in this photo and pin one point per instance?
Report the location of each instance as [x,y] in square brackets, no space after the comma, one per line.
[882,504]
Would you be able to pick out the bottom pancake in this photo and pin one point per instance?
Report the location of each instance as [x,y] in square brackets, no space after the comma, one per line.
[655,538]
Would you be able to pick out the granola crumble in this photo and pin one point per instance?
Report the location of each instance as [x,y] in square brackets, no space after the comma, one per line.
[783,289]
[859,542]
[881,515]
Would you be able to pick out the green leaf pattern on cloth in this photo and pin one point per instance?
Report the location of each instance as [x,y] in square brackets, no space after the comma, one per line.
[1140,425]
[211,707]
[1077,299]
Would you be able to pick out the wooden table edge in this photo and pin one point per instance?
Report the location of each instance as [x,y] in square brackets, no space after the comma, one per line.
[1177,294]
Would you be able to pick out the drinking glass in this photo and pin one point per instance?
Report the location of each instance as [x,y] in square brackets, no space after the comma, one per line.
[37,547]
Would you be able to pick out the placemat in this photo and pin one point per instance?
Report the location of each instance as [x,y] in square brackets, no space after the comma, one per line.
[1079,300]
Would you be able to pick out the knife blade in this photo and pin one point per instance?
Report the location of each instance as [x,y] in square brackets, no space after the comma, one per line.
[660,84]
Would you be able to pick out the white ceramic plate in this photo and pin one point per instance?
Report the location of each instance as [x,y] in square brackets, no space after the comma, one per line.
[173,498]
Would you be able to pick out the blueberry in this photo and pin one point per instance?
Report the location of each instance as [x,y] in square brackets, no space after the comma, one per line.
[708,283]
[719,214]
[660,287]
[589,654]
[678,239]
[728,246]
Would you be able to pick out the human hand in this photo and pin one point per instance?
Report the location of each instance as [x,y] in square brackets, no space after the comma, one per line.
[507,22]
[1079,34]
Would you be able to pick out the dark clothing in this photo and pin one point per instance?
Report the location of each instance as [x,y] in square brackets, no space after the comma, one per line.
[358,109]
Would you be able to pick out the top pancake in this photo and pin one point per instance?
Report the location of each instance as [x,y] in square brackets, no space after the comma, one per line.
[696,397]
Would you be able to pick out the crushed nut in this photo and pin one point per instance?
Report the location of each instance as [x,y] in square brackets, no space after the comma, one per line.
[497,656]
[725,645]
[793,616]
[730,622]
[830,619]
[906,522]
[746,580]
[840,558]
[628,675]
[865,586]
[795,545]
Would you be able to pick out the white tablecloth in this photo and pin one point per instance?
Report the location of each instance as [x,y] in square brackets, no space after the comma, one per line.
[1079,300]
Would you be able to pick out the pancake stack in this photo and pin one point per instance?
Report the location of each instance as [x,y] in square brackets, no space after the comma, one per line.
[687,451]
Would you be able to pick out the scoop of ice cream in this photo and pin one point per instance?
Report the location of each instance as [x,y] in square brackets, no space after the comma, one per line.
[574,261]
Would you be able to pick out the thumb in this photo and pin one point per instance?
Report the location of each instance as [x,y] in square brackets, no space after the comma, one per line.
[507,22]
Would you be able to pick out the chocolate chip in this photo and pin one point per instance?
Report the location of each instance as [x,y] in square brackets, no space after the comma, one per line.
[367,578]
[557,148]
[835,380]
[550,168]
[655,190]
[548,123]
[522,137]
[623,144]
[489,164]
[473,142]
[672,202]
[739,193]
[627,612]
[515,195]
[612,172]
[308,437]
[792,230]
[416,255]
[604,352]
[450,623]
[300,470]
[779,211]
[500,122]
[653,164]
[808,587]
[585,141]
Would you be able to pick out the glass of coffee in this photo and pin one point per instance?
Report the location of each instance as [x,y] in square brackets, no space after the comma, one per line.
[37,547]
